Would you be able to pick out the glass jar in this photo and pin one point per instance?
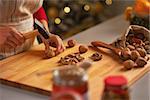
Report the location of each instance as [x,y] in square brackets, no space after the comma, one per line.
[67,95]
[71,78]
[115,88]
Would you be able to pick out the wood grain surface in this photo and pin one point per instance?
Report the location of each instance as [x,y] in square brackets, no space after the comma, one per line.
[22,70]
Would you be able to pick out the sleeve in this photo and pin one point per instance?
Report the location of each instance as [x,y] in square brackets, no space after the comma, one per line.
[40,14]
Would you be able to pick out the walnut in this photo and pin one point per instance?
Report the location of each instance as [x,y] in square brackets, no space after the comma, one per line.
[142,52]
[83,49]
[96,57]
[50,53]
[141,62]
[71,43]
[134,55]
[128,64]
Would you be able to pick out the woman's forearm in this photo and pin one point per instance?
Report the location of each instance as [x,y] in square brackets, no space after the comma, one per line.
[41,16]
[45,24]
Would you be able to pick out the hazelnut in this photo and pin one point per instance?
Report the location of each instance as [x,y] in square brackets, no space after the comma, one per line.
[137,46]
[127,49]
[147,42]
[134,44]
[131,47]
[96,57]
[128,64]
[83,49]
[134,55]
[147,47]
[71,43]
[125,55]
[127,43]
[148,51]
[141,62]
[142,52]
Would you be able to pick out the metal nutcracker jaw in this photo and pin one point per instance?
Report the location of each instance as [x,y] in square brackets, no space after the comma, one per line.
[41,29]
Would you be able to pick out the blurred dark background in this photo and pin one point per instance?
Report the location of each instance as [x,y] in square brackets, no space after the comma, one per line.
[69,17]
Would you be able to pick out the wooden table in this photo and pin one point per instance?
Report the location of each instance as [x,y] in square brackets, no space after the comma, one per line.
[97,73]
[22,70]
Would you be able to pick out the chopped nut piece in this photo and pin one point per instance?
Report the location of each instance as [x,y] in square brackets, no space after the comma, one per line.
[96,57]
[71,59]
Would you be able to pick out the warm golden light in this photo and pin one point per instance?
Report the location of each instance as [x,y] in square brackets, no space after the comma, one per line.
[57,20]
[86,7]
[142,7]
[108,2]
[67,9]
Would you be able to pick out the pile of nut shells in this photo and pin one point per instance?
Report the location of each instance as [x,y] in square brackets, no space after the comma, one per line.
[71,59]
[75,58]
[136,50]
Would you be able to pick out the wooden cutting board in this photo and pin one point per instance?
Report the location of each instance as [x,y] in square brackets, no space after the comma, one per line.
[21,70]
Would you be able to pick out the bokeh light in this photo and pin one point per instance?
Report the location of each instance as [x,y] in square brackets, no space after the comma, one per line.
[57,20]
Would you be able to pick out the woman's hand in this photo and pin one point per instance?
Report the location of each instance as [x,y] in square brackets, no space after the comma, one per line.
[56,41]
[10,37]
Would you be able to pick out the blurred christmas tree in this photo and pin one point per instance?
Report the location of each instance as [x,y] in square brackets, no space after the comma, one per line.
[68,17]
